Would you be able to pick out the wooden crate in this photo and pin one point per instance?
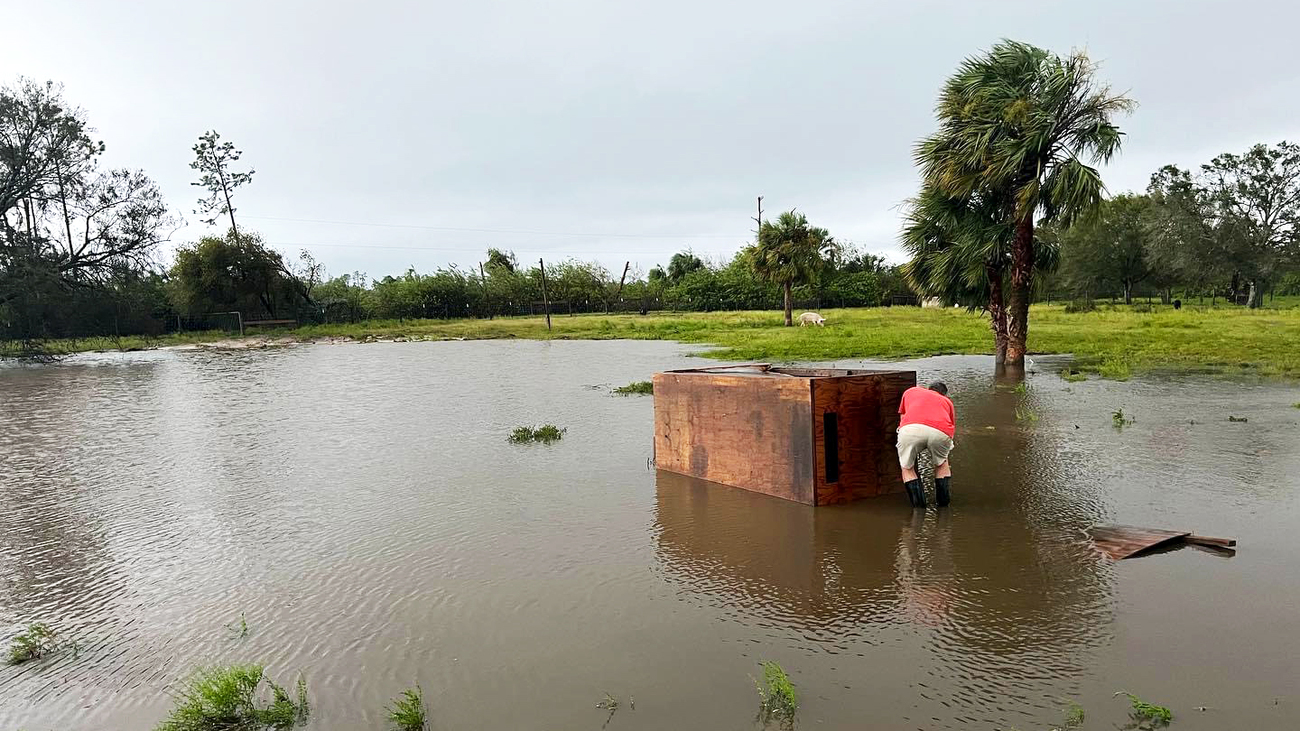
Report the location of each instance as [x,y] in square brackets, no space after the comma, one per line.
[815,436]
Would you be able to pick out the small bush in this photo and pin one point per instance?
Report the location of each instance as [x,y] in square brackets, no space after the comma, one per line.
[545,434]
[37,642]
[639,388]
[1081,306]
[231,698]
[408,710]
[777,698]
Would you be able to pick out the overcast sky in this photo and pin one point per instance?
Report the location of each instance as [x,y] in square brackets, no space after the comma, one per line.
[604,129]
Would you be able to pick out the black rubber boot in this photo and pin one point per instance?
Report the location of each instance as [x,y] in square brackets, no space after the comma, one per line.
[941,494]
[915,493]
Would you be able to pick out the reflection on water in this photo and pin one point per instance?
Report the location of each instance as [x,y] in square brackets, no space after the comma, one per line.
[361,506]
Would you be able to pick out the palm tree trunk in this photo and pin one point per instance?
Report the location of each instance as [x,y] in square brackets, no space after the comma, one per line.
[789,306]
[1022,279]
[997,313]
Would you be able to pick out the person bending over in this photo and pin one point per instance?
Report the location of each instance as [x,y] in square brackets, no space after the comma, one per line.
[926,421]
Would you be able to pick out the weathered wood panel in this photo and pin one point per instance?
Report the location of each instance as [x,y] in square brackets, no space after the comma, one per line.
[892,386]
[1123,541]
[866,409]
[745,431]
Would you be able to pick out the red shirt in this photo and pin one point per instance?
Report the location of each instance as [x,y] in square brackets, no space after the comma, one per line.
[922,406]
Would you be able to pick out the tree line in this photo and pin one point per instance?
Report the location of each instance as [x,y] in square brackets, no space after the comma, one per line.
[1011,208]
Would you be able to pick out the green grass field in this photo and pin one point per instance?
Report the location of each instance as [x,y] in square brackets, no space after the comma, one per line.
[1112,341]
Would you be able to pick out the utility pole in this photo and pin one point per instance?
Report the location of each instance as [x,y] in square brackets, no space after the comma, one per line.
[546,302]
[759,220]
[622,279]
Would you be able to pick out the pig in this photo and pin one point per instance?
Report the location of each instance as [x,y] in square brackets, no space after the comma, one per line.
[812,317]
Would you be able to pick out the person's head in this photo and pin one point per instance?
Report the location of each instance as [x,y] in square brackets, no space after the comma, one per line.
[939,387]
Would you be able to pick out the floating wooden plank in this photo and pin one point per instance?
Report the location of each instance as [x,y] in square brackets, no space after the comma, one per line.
[1125,541]
[1224,543]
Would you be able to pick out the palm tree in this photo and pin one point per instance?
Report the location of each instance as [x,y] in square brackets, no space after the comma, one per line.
[790,252]
[1019,125]
[960,250]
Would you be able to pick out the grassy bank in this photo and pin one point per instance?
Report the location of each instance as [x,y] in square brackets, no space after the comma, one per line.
[1110,341]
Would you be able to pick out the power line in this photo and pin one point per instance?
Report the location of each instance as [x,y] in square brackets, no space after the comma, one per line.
[495,230]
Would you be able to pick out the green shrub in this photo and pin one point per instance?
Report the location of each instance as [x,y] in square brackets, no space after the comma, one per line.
[1081,306]
[408,711]
[640,388]
[231,699]
[777,698]
[37,642]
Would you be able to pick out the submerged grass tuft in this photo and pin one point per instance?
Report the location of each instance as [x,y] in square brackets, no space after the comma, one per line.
[1116,369]
[777,698]
[33,644]
[1073,376]
[238,629]
[545,434]
[1074,716]
[1120,420]
[1148,715]
[232,698]
[1238,419]
[639,388]
[408,712]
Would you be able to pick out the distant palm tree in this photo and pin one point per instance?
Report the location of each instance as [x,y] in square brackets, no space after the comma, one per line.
[790,252]
[1015,128]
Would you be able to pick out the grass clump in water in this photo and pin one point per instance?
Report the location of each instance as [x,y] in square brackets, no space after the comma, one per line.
[1148,715]
[639,388]
[1116,369]
[1238,419]
[1073,376]
[408,712]
[545,434]
[777,698]
[1074,716]
[232,698]
[239,629]
[1120,420]
[35,643]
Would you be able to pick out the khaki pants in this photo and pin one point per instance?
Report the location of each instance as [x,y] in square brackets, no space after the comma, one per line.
[914,437]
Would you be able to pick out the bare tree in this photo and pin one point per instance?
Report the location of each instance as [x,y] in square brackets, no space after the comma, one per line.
[212,158]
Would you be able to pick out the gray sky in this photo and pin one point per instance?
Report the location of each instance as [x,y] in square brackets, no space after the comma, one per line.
[609,130]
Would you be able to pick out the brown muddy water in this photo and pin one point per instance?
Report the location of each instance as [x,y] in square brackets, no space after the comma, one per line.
[360,505]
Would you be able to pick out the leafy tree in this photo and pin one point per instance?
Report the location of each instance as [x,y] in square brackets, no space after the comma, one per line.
[1244,208]
[789,252]
[681,264]
[502,260]
[1017,128]
[1111,246]
[64,223]
[235,272]
[213,158]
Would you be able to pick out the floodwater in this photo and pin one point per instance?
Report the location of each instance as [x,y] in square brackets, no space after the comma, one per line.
[360,507]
